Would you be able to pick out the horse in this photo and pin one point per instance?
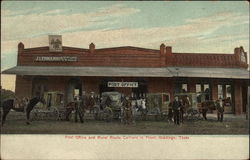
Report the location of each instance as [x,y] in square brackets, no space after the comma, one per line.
[10,104]
[213,105]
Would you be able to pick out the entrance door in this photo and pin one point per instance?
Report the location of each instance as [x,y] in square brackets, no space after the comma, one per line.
[103,87]
[141,90]
[74,87]
[39,86]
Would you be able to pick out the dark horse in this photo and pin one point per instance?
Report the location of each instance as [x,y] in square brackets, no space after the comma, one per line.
[213,105]
[9,104]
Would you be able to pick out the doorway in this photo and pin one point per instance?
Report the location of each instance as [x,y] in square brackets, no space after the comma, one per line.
[74,88]
[39,86]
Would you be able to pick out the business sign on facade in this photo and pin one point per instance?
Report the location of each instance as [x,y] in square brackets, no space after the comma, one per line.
[55,43]
[123,84]
[55,59]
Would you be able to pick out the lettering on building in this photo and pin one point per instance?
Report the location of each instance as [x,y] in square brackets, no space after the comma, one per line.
[55,59]
[123,84]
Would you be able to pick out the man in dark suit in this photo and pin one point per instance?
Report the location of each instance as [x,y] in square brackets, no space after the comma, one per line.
[78,109]
[176,105]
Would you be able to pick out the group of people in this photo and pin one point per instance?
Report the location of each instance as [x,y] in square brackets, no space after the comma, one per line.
[80,104]
[131,106]
[176,111]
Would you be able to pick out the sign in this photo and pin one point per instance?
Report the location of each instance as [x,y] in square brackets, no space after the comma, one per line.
[55,59]
[55,43]
[123,84]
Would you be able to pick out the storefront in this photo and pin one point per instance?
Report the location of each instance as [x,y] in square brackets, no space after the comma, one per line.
[132,71]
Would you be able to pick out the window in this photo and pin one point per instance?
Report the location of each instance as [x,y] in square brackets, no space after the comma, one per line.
[198,88]
[166,98]
[76,92]
[184,87]
[228,91]
[181,87]
[220,91]
[204,89]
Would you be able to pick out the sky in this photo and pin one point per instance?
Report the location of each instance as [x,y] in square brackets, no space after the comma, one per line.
[187,26]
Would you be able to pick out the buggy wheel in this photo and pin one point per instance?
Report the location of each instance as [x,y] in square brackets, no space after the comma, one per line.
[96,111]
[195,115]
[51,114]
[157,113]
[157,117]
[163,116]
[55,113]
[107,114]
[34,115]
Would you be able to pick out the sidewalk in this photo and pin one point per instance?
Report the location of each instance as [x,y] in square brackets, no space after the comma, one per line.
[228,116]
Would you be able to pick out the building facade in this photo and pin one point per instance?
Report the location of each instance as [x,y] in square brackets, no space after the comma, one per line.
[132,71]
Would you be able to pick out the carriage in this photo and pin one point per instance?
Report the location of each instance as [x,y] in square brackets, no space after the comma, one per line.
[110,107]
[192,104]
[53,109]
[157,105]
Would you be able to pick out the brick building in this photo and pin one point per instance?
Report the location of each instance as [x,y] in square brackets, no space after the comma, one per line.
[93,70]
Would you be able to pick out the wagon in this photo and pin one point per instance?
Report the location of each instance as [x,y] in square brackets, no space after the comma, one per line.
[109,110]
[157,105]
[52,109]
[194,108]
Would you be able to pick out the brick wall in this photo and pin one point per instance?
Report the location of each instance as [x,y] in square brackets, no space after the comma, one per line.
[131,57]
[23,86]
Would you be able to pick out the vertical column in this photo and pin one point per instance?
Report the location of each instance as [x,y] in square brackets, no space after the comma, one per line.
[224,90]
[170,87]
[237,97]
[214,88]
[20,51]
[191,85]
[162,54]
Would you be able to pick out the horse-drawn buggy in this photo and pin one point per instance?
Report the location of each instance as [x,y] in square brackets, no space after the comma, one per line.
[53,109]
[110,107]
[157,105]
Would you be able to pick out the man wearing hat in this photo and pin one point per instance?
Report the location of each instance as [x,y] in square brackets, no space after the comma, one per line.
[176,105]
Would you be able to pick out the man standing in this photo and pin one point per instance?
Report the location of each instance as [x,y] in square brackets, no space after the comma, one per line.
[128,110]
[78,109]
[176,105]
[134,109]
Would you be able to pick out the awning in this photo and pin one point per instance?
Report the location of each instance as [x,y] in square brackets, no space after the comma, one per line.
[88,71]
[234,73]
